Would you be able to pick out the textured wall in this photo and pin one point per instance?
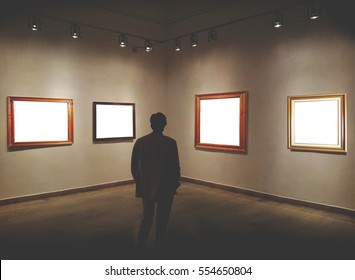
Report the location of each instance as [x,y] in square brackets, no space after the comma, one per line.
[302,58]
[50,63]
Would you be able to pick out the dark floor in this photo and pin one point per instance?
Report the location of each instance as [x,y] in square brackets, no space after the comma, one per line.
[206,223]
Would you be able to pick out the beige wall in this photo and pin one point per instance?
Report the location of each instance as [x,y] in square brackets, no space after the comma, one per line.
[51,64]
[302,58]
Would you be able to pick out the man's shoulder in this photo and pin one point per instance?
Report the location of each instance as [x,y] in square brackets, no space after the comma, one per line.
[169,139]
[147,136]
[139,141]
[154,137]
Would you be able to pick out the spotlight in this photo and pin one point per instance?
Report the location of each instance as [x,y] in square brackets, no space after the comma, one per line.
[122,40]
[194,40]
[177,45]
[212,35]
[34,23]
[277,20]
[313,11]
[75,31]
[148,46]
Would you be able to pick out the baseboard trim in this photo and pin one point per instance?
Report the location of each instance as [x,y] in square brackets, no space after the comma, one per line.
[262,195]
[235,189]
[64,192]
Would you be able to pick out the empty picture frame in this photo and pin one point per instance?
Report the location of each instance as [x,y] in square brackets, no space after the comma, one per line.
[35,121]
[317,122]
[221,121]
[114,121]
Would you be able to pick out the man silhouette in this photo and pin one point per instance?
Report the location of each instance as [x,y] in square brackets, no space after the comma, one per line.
[156,171]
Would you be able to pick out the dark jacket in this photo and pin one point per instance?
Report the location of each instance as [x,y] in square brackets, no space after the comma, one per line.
[155,166]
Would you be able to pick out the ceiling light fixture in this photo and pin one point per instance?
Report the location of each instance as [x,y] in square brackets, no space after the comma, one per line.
[123,40]
[34,23]
[212,35]
[313,11]
[194,40]
[177,45]
[75,31]
[148,46]
[277,20]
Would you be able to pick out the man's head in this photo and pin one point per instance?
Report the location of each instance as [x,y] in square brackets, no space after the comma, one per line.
[158,122]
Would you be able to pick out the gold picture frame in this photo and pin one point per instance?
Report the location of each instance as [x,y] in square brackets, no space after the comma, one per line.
[317,122]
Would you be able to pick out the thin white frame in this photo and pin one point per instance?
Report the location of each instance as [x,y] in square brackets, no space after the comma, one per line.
[113,121]
[317,122]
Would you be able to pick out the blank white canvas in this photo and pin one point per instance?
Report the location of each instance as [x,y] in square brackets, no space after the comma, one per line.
[40,121]
[220,121]
[316,122]
[114,121]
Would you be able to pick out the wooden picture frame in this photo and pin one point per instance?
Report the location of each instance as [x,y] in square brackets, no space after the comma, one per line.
[113,121]
[36,121]
[317,122]
[221,121]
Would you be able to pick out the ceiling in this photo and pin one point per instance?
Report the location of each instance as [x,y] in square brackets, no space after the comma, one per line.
[119,15]
[155,11]
[159,11]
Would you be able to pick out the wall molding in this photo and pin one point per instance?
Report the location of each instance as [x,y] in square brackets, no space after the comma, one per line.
[64,192]
[262,195]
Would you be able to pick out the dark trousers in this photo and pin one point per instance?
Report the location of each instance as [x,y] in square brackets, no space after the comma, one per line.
[162,207]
